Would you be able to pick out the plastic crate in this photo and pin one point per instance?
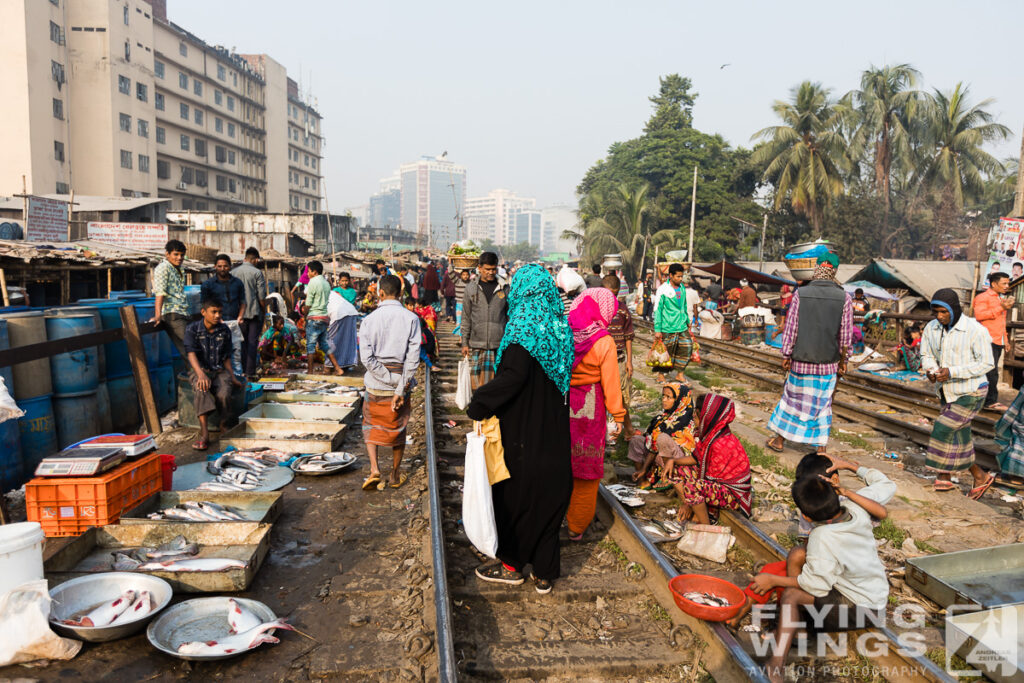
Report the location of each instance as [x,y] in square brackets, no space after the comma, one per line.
[67,506]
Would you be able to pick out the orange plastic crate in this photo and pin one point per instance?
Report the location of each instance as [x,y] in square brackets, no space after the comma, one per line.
[67,506]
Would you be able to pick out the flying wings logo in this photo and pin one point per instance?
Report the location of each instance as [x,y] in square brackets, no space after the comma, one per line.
[989,640]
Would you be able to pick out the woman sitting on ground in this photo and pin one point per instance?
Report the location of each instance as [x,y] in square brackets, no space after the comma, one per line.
[717,475]
[670,433]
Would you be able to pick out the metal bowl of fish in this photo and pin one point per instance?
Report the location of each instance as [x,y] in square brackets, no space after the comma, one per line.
[206,629]
[118,603]
[323,463]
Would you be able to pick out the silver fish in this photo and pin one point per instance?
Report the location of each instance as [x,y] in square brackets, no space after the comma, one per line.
[176,547]
[206,564]
[125,563]
[105,613]
[708,599]
[240,618]
[237,643]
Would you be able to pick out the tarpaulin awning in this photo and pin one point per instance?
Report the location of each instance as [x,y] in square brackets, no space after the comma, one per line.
[923,278]
[869,289]
[734,271]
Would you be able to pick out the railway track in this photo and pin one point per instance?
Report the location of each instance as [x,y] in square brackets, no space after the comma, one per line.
[886,405]
[611,617]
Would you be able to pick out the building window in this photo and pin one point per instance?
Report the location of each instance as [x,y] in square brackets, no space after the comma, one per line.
[197,87]
[307,204]
[183,49]
[126,158]
[128,50]
[161,135]
[231,130]
[185,142]
[231,157]
[314,205]
[141,92]
[305,159]
[55,33]
[221,72]
[143,128]
[218,97]
[62,188]
[58,109]
[219,154]
[200,148]
[58,150]
[163,169]
[184,110]
[201,206]
[124,84]
[306,183]
[158,69]
[144,163]
[314,183]
[183,81]
[200,178]
[218,124]
[197,114]
[126,123]
[222,183]
[231,185]
[234,78]
[126,15]
[158,101]
[231,103]
[312,162]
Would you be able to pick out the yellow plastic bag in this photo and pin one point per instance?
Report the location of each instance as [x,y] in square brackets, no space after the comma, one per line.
[494,452]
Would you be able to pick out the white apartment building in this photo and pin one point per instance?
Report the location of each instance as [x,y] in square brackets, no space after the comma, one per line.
[554,220]
[494,216]
[433,200]
[109,98]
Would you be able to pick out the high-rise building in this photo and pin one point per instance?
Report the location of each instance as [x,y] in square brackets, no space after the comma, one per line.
[528,227]
[385,209]
[554,220]
[111,98]
[433,199]
[499,209]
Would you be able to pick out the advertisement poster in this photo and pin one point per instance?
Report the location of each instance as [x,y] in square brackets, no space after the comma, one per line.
[47,220]
[1005,255]
[142,236]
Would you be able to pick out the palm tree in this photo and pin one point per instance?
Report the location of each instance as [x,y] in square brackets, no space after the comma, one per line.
[953,159]
[806,155]
[621,224]
[885,108]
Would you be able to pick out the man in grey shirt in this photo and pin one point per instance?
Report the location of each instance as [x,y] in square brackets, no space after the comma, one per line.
[389,347]
[594,279]
[484,316]
[251,324]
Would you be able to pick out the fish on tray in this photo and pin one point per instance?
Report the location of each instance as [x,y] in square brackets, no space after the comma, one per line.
[109,612]
[177,548]
[200,511]
[240,618]
[240,642]
[709,599]
[324,462]
[204,564]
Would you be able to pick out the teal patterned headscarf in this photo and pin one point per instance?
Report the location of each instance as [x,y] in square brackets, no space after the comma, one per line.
[537,322]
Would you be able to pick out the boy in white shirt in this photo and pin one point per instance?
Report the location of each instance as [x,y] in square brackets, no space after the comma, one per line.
[839,583]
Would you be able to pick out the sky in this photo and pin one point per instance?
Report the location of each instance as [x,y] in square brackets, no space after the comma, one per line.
[529,94]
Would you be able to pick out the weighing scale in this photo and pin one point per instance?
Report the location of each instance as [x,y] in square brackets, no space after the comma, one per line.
[80,462]
[273,383]
[131,444]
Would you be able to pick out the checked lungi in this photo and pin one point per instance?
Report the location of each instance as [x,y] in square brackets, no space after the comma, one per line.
[1010,436]
[481,366]
[951,448]
[804,413]
[680,347]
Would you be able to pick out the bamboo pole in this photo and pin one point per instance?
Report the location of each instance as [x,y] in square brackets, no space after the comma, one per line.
[693,215]
[3,288]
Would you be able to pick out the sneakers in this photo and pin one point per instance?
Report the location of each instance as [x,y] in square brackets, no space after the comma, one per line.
[496,573]
[543,586]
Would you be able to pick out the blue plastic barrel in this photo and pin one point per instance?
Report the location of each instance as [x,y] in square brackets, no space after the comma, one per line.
[124,404]
[115,353]
[11,472]
[162,379]
[31,379]
[146,309]
[76,417]
[103,423]
[75,373]
[13,309]
[5,344]
[38,431]
[164,345]
[128,294]
[193,298]
[95,313]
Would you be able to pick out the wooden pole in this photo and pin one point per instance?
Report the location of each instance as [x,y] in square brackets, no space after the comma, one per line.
[3,288]
[71,203]
[137,356]
[764,229]
[110,276]
[693,214]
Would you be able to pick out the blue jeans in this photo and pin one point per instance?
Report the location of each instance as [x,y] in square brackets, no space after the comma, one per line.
[316,335]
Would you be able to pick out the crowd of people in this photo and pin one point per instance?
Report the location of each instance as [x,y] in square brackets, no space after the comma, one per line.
[551,361]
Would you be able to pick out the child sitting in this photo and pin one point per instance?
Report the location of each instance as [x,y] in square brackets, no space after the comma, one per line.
[839,573]
[909,352]
[274,343]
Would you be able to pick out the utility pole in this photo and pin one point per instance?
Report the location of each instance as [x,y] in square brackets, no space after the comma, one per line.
[764,229]
[693,215]
[1018,197]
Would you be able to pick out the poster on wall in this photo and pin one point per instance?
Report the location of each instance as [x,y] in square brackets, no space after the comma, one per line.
[46,220]
[1005,250]
[141,236]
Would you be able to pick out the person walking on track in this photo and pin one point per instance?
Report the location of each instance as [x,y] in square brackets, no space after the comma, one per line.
[484,315]
[672,321]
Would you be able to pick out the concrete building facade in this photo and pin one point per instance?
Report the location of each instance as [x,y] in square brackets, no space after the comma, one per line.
[108,97]
[499,209]
[554,220]
[433,200]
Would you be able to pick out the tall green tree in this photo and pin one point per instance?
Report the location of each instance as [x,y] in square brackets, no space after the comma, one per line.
[805,156]
[673,105]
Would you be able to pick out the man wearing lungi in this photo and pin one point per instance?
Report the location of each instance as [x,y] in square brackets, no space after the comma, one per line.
[389,347]
[484,316]
[672,321]
[956,352]
[815,344]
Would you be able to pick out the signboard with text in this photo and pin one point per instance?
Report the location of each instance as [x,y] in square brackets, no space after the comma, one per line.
[47,220]
[142,236]
[1007,241]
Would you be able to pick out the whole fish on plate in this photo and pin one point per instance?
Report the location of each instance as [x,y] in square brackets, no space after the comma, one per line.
[236,643]
[142,606]
[240,618]
[106,613]
[204,564]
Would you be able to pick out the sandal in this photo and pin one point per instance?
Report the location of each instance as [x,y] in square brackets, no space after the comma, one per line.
[371,482]
[778,449]
[201,445]
[978,491]
[401,481]
[998,407]
[943,485]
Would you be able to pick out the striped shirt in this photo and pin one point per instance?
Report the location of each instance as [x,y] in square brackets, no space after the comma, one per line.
[789,338]
[169,282]
[965,350]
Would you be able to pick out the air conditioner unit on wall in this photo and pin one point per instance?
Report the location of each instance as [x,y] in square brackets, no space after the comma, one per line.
[182,186]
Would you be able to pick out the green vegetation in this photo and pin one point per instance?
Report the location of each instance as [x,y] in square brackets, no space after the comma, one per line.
[612,548]
[760,458]
[926,547]
[656,611]
[742,558]
[787,541]
[887,529]
[855,440]
[956,662]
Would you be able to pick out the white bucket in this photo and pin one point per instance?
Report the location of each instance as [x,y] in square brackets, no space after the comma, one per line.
[21,554]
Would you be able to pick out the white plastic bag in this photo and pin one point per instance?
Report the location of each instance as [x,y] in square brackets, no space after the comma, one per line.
[25,633]
[710,541]
[569,280]
[464,389]
[9,410]
[477,504]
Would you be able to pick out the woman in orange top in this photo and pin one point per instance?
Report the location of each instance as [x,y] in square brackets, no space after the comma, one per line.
[593,389]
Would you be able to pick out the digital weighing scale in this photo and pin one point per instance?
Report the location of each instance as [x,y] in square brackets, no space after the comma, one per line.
[80,462]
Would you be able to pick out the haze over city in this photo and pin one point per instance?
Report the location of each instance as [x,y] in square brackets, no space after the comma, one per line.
[528,97]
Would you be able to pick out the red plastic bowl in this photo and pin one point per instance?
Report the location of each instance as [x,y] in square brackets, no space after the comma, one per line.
[685,583]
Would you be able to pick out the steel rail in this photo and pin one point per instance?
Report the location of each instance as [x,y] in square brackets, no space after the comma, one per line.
[447,671]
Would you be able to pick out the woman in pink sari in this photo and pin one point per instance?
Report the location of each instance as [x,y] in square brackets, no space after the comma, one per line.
[594,389]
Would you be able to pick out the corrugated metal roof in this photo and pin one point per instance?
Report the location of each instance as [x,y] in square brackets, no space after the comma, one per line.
[923,278]
[87,202]
[843,274]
